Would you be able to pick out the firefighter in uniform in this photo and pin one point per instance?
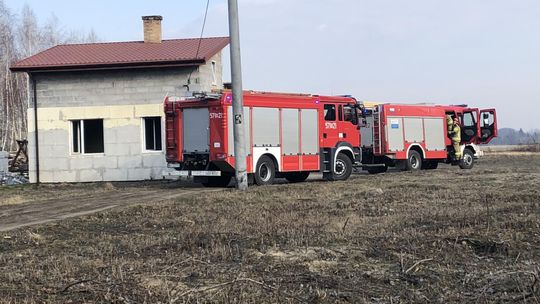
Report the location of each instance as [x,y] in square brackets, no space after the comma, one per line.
[455,135]
[449,123]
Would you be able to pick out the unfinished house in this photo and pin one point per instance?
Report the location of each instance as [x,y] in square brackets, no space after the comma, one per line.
[96,110]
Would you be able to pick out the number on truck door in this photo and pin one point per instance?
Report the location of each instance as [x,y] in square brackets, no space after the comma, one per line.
[330,127]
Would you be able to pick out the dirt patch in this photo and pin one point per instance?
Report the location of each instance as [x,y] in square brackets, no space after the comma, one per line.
[21,210]
[445,236]
[13,200]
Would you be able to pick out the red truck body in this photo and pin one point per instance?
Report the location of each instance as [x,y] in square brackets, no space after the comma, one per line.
[291,135]
[298,132]
[392,131]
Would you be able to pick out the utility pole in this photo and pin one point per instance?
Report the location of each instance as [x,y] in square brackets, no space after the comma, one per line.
[237,99]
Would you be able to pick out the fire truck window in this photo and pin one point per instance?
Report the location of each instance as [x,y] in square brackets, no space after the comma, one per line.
[348,114]
[329,112]
[468,119]
[487,119]
[340,113]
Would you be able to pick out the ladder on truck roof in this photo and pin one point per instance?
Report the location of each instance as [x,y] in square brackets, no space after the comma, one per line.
[377,138]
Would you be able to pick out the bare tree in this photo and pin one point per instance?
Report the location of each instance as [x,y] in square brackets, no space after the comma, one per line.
[28,33]
[21,38]
[8,84]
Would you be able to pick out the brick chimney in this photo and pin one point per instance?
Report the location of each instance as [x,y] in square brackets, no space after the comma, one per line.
[152,29]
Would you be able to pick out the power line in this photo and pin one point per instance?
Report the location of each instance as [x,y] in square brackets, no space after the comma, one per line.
[200,41]
[202,30]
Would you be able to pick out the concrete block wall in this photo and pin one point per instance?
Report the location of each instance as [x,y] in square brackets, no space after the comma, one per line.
[121,99]
[123,87]
[123,158]
[206,74]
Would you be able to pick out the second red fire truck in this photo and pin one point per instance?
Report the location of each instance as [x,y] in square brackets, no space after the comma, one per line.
[292,135]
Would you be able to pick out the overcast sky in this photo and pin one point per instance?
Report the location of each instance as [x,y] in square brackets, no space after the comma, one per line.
[485,53]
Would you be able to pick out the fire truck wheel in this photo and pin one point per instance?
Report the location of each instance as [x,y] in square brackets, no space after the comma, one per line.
[265,171]
[342,168]
[217,181]
[414,161]
[296,177]
[467,161]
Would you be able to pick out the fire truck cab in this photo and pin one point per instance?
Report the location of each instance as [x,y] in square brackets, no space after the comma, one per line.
[287,135]
[414,137]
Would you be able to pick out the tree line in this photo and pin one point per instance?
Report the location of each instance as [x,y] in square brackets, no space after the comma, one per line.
[21,36]
[509,136]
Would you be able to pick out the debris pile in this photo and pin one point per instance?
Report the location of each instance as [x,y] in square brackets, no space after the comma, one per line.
[10,178]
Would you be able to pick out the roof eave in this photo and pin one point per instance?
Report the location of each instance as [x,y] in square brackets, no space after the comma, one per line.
[114,66]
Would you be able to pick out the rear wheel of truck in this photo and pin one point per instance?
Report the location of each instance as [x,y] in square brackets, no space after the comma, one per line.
[296,177]
[265,171]
[217,181]
[413,162]
[467,161]
[342,168]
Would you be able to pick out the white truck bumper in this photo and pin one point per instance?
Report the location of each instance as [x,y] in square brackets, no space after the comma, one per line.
[478,152]
[186,173]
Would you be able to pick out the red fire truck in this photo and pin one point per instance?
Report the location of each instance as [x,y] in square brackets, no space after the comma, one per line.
[415,137]
[292,135]
[288,135]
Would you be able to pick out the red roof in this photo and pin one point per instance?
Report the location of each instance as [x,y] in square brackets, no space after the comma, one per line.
[132,54]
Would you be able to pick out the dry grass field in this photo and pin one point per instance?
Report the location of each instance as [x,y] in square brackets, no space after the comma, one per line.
[445,235]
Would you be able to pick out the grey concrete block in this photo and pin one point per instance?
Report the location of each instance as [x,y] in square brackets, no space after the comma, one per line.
[54,137]
[126,162]
[105,162]
[139,174]
[61,150]
[115,175]
[135,149]
[113,87]
[53,151]
[157,172]
[65,176]
[116,149]
[154,160]
[80,162]
[54,164]
[42,86]
[46,176]
[109,135]
[90,175]
[128,134]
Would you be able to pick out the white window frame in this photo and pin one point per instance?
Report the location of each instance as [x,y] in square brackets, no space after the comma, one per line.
[81,137]
[213,66]
[143,135]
